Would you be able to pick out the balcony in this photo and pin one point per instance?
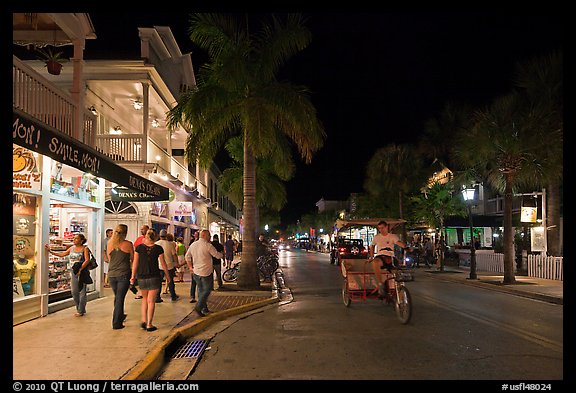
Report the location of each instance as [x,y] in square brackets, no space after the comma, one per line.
[40,98]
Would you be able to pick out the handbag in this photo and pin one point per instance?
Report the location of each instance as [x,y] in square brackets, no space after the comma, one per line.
[92,264]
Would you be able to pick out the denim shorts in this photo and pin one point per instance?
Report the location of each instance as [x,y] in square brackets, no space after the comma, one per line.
[150,283]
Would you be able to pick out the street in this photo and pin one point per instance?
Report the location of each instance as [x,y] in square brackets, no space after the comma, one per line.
[457,332]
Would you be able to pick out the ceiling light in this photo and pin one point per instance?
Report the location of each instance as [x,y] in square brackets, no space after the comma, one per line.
[155,123]
[138,105]
[93,110]
[116,131]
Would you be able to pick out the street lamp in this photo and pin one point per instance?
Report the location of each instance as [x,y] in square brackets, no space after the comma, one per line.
[468,194]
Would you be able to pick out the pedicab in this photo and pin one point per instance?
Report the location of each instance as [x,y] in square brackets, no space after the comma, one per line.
[360,283]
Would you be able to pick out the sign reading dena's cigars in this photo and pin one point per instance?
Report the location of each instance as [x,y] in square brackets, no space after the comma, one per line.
[32,134]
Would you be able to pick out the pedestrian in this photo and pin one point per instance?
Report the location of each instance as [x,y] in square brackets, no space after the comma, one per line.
[229,246]
[199,259]
[180,252]
[428,251]
[109,232]
[121,256]
[145,269]
[78,259]
[171,260]
[195,236]
[143,230]
[217,262]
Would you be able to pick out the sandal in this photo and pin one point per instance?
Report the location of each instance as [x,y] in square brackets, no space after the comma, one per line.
[151,328]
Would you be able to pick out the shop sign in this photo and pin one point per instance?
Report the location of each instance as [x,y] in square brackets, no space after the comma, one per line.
[126,194]
[32,134]
[183,209]
[528,214]
[25,172]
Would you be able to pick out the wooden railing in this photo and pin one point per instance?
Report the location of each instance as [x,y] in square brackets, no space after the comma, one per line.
[40,98]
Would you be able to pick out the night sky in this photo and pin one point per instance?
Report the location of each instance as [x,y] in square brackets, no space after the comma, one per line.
[375,78]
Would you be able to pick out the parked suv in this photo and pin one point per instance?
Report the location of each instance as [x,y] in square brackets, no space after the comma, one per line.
[346,248]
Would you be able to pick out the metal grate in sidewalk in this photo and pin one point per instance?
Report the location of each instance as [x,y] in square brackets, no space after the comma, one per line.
[190,349]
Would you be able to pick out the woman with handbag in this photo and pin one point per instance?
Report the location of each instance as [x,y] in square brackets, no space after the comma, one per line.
[78,255]
[120,257]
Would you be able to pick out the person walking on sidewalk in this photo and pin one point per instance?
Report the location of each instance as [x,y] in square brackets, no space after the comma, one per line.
[195,237]
[199,259]
[120,254]
[180,251]
[109,233]
[217,262]
[229,245]
[145,269]
[143,230]
[171,259]
[76,253]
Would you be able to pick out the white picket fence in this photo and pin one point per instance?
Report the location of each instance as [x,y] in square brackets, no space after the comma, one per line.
[493,262]
[539,266]
[546,267]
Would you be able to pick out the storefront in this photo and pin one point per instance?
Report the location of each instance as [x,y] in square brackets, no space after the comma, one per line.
[58,192]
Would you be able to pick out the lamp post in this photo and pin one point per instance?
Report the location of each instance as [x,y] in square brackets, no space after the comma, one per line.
[468,194]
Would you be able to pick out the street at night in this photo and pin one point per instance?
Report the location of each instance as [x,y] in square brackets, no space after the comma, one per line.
[457,332]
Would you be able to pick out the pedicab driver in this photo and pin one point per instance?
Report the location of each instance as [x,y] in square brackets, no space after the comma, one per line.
[382,249]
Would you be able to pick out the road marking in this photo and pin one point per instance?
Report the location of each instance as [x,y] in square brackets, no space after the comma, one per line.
[535,338]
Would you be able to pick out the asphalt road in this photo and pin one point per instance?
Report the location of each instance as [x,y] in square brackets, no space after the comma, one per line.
[457,332]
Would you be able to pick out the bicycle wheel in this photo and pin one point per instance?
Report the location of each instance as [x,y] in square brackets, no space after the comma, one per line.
[403,304]
[345,295]
[230,275]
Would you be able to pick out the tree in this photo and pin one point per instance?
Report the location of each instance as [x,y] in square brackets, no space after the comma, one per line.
[395,169]
[238,93]
[508,146]
[270,177]
[440,201]
[541,80]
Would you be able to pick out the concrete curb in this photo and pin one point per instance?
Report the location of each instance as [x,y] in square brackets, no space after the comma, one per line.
[494,287]
[152,363]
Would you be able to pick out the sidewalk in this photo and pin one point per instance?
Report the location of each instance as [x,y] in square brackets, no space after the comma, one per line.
[551,291]
[61,346]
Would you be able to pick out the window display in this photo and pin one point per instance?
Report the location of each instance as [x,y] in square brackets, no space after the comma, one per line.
[71,182]
[23,244]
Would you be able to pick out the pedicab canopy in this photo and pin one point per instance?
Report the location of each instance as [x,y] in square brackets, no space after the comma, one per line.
[393,222]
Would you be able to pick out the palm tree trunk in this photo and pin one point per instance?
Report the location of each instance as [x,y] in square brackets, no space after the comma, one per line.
[509,277]
[248,277]
[553,220]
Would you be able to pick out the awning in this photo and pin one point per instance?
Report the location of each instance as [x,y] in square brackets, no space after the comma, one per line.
[32,134]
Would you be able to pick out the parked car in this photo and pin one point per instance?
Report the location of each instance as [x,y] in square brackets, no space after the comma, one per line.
[346,248]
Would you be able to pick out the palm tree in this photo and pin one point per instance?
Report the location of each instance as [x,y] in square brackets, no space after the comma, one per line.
[395,168]
[270,177]
[541,79]
[238,94]
[508,146]
[441,200]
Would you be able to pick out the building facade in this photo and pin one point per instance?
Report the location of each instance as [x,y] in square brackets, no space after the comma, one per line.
[91,149]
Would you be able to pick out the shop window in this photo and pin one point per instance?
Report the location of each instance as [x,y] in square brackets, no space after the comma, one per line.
[23,244]
[159,209]
[71,182]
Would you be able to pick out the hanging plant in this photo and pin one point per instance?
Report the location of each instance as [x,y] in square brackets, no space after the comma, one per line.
[53,60]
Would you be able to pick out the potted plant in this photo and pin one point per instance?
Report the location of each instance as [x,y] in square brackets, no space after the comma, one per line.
[53,60]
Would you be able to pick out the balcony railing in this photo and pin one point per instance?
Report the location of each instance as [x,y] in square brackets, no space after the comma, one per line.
[129,148]
[38,97]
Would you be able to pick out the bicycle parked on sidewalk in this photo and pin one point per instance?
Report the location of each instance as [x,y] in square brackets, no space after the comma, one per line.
[267,265]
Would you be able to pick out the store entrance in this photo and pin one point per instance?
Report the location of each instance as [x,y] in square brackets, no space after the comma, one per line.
[67,220]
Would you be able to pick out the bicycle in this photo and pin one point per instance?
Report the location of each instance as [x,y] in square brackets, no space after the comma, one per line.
[267,265]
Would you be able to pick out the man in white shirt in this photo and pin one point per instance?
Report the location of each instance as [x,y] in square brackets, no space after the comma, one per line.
[171,258]
[199,260]
[382,249]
